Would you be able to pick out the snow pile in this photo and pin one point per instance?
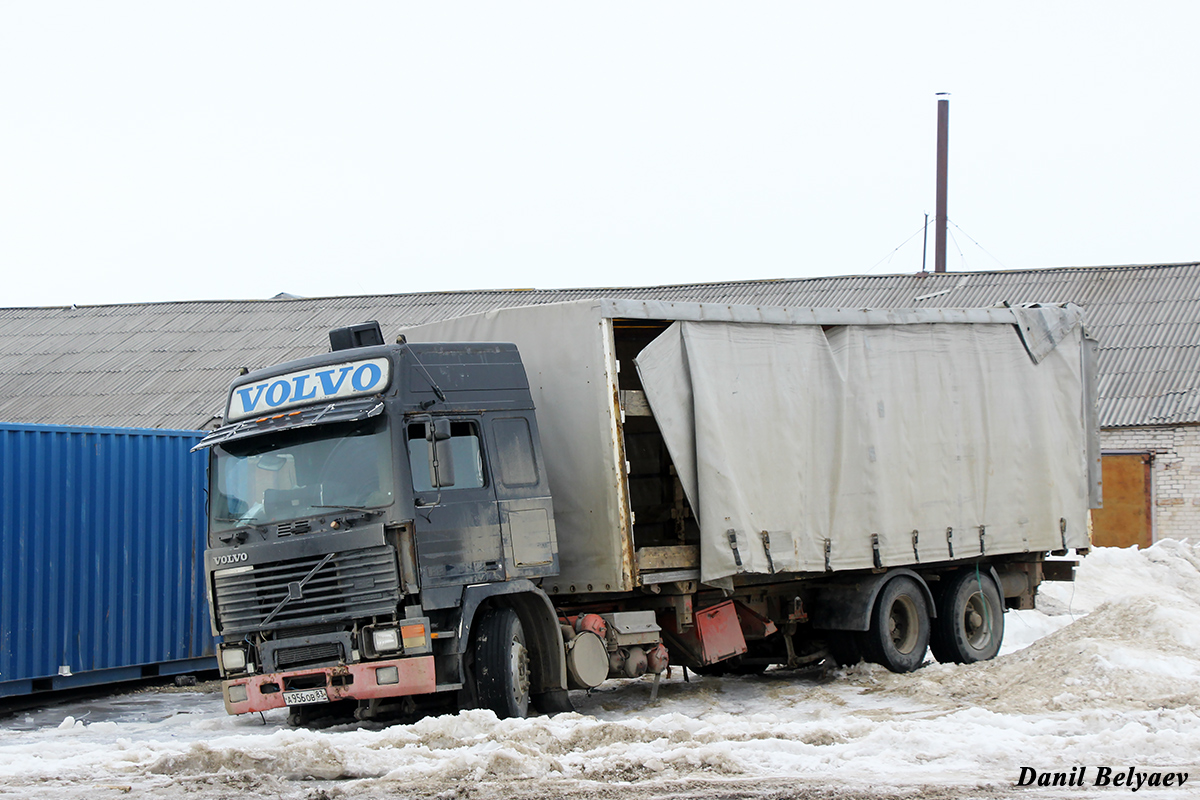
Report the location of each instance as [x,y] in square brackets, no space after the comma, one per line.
[1116,683]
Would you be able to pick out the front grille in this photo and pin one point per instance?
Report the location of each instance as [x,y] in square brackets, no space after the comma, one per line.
[306,630]
[311,654]
[357,583]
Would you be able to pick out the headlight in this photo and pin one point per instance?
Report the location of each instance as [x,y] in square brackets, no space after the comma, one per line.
[385,640]
[233,659]
[238,693]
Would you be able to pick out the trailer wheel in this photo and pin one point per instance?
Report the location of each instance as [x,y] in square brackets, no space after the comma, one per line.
[899,633]
[502,664]
[970,621]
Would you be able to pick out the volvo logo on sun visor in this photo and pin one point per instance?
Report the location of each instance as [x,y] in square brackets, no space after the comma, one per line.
[313,385]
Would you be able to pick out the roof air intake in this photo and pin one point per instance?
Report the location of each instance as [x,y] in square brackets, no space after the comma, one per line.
[364,334]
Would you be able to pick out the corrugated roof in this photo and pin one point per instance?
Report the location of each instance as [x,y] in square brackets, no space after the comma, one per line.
[168,365]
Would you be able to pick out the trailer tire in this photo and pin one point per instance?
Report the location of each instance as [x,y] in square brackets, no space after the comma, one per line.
[502,676]
[970,621]
[899,632]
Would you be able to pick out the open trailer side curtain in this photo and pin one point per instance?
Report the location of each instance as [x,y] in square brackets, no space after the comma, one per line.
[803,448]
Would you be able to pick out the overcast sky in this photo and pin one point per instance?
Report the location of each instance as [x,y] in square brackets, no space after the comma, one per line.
[170,151]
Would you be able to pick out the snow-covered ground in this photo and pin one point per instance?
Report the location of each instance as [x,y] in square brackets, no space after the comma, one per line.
[1105,674]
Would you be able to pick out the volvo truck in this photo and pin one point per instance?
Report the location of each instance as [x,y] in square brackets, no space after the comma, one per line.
[492,510]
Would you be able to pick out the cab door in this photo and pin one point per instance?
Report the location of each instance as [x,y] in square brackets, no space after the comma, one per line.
[457,526]
[523,496]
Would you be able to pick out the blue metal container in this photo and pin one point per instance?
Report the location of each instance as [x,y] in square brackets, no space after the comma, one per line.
[101,556]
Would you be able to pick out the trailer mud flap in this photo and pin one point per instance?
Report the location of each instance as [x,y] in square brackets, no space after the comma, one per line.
[847,606]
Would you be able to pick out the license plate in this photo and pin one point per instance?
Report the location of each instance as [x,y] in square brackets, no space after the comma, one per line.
[305,697]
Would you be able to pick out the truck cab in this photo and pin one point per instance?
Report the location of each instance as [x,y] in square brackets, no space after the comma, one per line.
[374,513]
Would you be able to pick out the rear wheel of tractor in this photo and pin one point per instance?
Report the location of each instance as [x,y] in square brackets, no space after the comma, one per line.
[899,633]
[970,621]
[502,664]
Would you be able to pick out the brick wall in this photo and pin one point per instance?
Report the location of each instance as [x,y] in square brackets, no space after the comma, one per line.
[1176,475]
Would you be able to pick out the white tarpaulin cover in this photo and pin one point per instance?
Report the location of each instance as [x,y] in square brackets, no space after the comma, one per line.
[805,449]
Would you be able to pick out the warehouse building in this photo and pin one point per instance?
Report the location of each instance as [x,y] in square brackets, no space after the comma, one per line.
[168,365]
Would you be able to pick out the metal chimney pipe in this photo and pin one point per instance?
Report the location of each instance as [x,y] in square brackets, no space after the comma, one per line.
[943,146]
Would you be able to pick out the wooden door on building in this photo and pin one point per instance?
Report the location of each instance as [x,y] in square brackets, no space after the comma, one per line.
[1126,517]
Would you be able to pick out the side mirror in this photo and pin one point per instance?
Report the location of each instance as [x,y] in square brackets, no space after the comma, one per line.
[441,457]
[439,432]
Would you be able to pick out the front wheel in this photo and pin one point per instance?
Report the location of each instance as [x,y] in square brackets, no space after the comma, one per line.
[899,633]
[970,621]
[502,664]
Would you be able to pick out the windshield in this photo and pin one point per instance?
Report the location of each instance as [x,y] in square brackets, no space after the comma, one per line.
[290,475]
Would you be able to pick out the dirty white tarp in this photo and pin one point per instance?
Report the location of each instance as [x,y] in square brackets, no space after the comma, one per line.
[804,449]
[567,352]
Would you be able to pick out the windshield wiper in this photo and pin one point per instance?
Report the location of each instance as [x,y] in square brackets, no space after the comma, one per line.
[240,532]
[353,508]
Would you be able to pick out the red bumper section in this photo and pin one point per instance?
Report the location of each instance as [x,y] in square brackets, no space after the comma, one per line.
[351,681]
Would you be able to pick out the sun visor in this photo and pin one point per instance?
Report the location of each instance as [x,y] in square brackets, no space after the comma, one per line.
[346,411]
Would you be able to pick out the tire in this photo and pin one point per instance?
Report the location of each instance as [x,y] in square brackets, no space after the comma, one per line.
[970,621]
[502,664]
[900,627]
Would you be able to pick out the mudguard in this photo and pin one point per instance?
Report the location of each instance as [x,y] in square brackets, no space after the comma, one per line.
[538,618]
[847,606]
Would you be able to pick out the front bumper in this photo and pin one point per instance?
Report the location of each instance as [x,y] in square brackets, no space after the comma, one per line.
[345,682]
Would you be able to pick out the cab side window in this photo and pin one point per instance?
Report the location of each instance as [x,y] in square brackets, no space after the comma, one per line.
[466,452]
[514,452]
